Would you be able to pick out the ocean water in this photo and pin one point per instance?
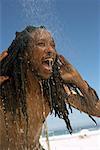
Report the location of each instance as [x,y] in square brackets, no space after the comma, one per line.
[86,138]
[65,131]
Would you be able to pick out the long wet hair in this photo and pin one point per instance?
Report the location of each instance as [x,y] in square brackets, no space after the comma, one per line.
[12,66]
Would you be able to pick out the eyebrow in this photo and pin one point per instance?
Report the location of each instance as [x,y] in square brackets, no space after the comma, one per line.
[43,39]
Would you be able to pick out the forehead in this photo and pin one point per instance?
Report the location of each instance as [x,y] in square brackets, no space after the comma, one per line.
[39,34]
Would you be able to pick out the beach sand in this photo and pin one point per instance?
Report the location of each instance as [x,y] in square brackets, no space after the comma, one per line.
[84,140]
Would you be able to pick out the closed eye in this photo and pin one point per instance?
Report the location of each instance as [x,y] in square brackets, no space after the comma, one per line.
[40,44]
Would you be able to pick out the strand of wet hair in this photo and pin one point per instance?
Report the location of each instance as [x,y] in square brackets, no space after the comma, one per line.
[44,114]
[62,111]
[5,118]
[57,97]
[23,99]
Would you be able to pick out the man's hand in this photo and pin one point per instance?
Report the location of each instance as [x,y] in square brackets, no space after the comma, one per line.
[2,56]
[83,97]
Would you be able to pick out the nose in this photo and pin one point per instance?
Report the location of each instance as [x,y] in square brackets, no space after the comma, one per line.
[50,51]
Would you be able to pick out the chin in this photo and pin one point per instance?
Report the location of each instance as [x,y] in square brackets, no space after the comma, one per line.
[43,71]
[45,74]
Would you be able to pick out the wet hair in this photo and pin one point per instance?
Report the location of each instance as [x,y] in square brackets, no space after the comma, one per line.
[53,88]
[12,66]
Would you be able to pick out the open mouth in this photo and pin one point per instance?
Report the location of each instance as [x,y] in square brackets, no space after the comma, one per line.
[48,63]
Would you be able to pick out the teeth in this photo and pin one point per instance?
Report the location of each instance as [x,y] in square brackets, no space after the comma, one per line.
[50,62]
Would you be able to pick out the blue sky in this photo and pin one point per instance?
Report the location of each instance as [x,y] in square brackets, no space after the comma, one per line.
[75,25]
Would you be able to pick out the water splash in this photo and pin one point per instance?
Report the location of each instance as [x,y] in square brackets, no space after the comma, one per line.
[45,12]
[38,12]
[42,12]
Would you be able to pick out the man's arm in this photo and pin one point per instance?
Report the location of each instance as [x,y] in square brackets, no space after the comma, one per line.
[85,99]
[79,102]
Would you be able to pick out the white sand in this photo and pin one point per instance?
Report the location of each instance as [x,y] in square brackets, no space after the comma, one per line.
[85,140]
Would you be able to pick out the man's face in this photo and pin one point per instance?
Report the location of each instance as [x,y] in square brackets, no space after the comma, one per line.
[43,53]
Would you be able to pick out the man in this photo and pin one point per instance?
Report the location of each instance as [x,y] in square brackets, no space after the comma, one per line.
[40,81]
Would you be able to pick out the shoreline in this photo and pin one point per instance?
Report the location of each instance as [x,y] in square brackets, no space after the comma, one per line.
[83,140]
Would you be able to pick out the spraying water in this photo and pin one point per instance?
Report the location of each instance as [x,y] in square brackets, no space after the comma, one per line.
[39,12]
[45,12]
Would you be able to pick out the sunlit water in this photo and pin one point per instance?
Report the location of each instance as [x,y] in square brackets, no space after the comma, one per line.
[45,12]
[40,12]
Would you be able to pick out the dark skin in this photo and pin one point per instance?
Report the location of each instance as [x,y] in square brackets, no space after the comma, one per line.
[42,55]
[41,51]
[2,56]
[91,103]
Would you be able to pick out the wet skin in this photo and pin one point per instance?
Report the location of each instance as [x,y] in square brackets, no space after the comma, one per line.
[43,53]
[2,56]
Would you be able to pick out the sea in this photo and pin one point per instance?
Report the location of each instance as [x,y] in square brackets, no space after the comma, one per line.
[63,131]
[85,138]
